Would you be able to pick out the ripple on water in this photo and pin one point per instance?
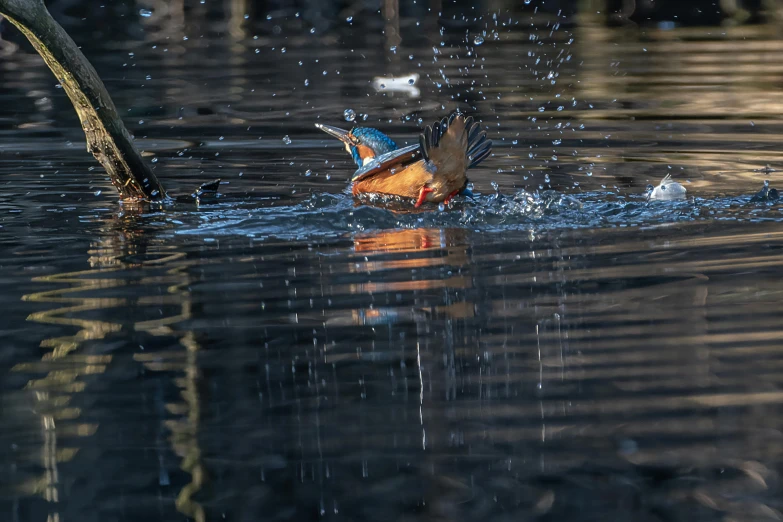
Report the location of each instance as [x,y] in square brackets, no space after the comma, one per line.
[332,215]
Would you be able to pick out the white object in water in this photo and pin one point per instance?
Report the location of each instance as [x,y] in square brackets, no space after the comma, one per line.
[403,84]
[667,190]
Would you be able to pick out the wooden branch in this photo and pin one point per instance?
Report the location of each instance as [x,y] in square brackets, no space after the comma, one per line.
[107,138]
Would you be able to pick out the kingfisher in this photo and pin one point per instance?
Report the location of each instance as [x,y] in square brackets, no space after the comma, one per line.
[434,170]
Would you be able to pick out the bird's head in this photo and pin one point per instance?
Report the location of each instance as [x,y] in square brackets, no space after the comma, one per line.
[362,143]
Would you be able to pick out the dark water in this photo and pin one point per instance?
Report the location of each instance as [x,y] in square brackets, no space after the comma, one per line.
[559,348]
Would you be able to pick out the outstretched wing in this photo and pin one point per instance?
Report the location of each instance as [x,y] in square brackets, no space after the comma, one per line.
[391,161]
[452,138]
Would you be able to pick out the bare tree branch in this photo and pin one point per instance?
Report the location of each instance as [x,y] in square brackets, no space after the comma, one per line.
[107,138]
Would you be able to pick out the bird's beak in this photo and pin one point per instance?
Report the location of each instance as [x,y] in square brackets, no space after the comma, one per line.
[340,134]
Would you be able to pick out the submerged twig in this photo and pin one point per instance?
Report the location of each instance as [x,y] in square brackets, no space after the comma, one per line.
[107,138]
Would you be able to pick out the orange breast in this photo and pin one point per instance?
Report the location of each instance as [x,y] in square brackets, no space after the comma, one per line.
[365,152]
[406,183]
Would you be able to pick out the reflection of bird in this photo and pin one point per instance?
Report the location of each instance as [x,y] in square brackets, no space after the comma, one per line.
[434,170]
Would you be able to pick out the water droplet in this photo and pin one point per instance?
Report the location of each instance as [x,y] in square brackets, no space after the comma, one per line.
[349,19]
[393,49]
[557,142]
[146,13]
[478,40]
[307,82]
[97,192]
[349,114]
[154,160]
[282,50]
[312,31]
[286,140]
[546,178]
[221,138]
[308,173]
[328,177]
[441,207]
[514,142]
[149,77]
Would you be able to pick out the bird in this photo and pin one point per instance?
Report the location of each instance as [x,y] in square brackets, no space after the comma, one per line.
[434,170]
[363,143]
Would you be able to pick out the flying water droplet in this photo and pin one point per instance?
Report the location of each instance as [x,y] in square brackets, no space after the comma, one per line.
[546,178]
[307,82]
[349,114]
[146,13]
[349,19]
[478,40]
[286,140]
[308,173]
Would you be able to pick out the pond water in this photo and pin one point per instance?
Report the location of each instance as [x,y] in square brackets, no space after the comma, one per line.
[558,347]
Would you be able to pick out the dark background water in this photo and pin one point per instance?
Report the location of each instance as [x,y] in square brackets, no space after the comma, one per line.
[560,348]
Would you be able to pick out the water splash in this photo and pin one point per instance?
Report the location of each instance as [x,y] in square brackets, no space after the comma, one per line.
[334,215]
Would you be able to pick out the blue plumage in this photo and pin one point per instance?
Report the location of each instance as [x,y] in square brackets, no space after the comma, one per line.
[373,139]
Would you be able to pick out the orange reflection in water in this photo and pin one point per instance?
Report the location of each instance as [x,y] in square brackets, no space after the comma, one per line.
[425,259]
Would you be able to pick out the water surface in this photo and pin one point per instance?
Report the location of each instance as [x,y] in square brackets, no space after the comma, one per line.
[557,348]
